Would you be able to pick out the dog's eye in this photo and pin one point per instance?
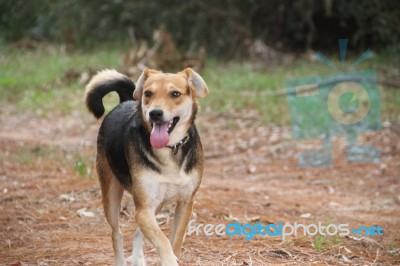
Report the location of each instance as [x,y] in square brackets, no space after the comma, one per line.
[176,94]
[148,94]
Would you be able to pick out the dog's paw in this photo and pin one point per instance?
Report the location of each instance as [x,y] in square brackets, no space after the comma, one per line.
[136,261]
[121,262]
[173,261]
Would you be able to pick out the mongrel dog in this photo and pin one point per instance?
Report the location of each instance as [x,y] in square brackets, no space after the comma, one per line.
[151,148]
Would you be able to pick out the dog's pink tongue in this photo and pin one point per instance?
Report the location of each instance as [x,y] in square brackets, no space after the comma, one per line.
[159,137]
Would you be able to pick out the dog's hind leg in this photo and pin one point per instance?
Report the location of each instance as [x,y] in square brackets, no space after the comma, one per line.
[137,249]
[112,205]
[112,192]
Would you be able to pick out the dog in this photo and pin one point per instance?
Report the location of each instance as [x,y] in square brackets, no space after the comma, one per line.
[149,146]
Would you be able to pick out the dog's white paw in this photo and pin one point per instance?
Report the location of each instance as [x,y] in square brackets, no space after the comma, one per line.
[139,261]
[172,261]
[120,262]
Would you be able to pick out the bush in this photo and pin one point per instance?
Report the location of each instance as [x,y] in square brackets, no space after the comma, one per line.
[223,27]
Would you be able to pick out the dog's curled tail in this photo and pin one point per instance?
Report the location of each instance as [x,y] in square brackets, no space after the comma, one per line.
[104,82]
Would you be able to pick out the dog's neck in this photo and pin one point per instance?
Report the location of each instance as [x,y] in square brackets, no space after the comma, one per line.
[175,148]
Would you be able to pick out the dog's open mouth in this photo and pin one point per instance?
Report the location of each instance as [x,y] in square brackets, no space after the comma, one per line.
[172,124]
[159,136]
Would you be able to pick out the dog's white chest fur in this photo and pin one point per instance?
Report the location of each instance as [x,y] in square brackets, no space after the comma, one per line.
[171,184]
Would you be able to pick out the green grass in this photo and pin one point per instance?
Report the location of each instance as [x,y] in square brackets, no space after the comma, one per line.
[238,86]
[32,81]
[326,243]
[83,166]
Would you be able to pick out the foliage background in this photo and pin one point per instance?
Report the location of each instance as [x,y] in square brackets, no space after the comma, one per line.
[224,27]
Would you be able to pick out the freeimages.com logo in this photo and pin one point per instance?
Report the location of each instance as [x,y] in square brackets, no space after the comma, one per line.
[340,104]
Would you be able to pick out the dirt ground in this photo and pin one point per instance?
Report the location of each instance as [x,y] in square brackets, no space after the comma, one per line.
[51,214]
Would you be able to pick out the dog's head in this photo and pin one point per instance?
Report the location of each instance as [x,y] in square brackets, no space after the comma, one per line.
[169,103]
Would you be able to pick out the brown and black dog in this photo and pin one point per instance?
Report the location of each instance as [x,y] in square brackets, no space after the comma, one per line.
[151,148]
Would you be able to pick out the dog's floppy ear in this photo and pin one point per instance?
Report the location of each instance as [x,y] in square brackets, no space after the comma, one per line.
[137,94]
[196,82]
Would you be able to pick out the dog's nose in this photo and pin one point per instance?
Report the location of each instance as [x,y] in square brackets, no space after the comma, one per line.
[156,115]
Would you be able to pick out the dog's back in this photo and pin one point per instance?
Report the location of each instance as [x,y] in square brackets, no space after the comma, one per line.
[111,138]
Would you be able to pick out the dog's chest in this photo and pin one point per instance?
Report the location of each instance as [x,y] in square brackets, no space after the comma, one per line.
[172,184]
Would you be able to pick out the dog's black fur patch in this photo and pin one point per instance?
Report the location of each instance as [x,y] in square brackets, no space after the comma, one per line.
[191,150]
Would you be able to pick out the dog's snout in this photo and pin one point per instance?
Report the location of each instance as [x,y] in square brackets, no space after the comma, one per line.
[156,115]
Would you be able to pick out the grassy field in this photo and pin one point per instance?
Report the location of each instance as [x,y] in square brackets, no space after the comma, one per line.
[40,81]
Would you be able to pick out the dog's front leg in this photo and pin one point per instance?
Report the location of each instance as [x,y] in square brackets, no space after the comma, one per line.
[146,220]
[183,212]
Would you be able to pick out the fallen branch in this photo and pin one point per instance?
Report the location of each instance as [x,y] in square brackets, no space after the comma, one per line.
[311,87]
